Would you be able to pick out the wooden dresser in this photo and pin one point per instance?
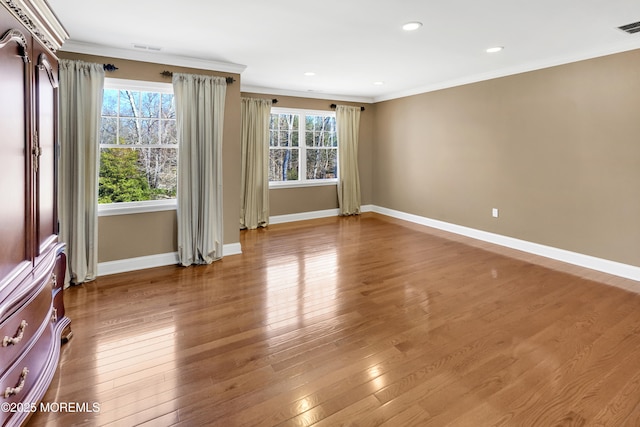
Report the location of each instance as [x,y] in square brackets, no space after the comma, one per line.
[32,262]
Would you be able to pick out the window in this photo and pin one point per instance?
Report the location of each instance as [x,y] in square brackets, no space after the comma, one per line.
[138,145]
[303,147]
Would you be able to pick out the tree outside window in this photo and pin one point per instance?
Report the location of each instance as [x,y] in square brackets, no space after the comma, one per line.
[138,146]
[303,146]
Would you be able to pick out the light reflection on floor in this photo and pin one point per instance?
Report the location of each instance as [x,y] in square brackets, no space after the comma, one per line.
[133,355]
[294,294]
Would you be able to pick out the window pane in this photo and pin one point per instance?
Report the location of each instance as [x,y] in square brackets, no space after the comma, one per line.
[168,109]
[150,105]
[139,131]
[137,174]
[277,120]
[169,132]
[321,139]
[273,121]
[129,132]
[110,102]
[109,130]
[283,139]
[321,131]
[149,131]
[283,164]
[322,163]
[160,167]
[330,124]
[288,122]
[129,103]
[332,140]
[328,139]
[120,177]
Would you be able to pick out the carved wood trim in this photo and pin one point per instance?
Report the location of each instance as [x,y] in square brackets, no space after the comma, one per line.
[14,35]
[40,20]
[45,65]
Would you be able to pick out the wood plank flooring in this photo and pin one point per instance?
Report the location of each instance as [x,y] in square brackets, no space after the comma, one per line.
[363,321]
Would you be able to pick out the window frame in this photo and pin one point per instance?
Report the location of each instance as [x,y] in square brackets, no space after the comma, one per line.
[126,208]
[302,180]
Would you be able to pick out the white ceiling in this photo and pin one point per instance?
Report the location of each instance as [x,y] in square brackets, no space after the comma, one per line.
[350,44]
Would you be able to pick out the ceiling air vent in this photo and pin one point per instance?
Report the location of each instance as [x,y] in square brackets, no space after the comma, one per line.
[631,28]
[145,47]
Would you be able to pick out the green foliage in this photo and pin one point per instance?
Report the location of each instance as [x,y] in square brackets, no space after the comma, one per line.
[121,179]
[162,193]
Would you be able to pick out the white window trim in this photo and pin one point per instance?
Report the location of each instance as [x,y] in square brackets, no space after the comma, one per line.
[138,85]
[273,185]
[128,208]
[303,182]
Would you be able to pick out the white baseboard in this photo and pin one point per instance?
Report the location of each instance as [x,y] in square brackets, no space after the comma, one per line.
[151,261]
[280,219]
[138,263]
[231,249]
[587,261]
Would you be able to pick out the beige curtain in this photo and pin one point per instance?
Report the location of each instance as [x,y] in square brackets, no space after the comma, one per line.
[348,125]
[254,197]
[81,90]
[199,102]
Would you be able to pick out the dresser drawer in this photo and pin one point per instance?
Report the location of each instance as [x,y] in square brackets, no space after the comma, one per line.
[59,271]
[17,331]
[17,384]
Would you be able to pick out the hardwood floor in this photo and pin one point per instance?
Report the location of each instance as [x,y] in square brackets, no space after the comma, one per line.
[352,321]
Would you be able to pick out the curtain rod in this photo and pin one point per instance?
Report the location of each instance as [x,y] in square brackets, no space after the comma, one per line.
[334,106]
[273,101]
[111,67]
[170,74]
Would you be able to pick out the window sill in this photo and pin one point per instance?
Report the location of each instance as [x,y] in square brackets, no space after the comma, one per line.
[127,208]
[296,184]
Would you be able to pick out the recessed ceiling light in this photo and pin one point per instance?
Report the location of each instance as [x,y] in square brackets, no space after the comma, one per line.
[309,73]
[412,26]
[378,83]
[495,49]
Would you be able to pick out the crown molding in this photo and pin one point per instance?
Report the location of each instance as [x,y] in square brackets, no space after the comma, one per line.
[154,57]
[300,94]
[509,71]
[40,20]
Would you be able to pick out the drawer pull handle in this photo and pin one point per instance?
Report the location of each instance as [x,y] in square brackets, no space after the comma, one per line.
[11,391]
[7,341]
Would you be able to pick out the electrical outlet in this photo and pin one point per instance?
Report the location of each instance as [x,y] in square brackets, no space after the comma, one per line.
[494,212]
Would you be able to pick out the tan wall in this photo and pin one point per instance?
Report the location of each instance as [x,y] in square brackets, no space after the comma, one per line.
[128,236]
[284,201]
[556,150]
[152,233]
